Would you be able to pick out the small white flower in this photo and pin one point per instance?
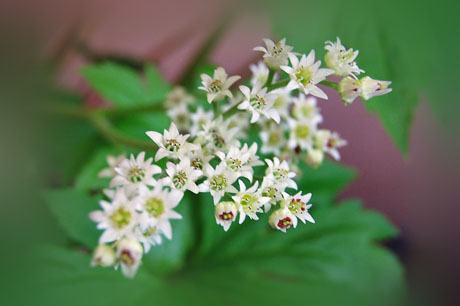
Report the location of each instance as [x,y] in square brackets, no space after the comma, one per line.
[180,115]
[259,73]
[157,208]
[272,191]
[178,97]
[113,162]
[275,54]
[171,144]
[217,87]
[273,139]
[219,136]
[314,157]
[182,176]
[225,214]
[133,172]
[297,205]
[372,88]
[301,133]
[283,101]
[129,253]
[104,256]
[349,89]
[259,102]
[253,159]
[329,142]
[149,235]
[282,219]
[237,161]
[199,119]
[339,59]
[249,201]
[304,107]
[305,74]
[219,181]
[117,218]
[279,173]
[198,159]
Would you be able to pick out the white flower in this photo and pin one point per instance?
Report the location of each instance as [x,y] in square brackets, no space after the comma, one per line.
[113,161]
[198,159]
[180,115]
[104,256]
[219,181]
[301,133]
[199,119]
[282,219]
[182,176]
[297,205]
[249,201]
[329,142]
[219,136]
[259,73]
[271,190]
[339,59]
[149,235]
[253,159]
[237,161]
[372,88]
[279,173]
[258,102]
[178,97]
[133,172]
[157,208]
[275,55]
[349,89]
[171,144]
[225,214]
[314,157]
[305,74]
[129,253]
[217,87]
[273,139]
[117,218]
[283,101]
[305,108]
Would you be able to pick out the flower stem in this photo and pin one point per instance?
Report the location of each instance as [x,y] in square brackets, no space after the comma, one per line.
[278,84]
[215,109]
[231,111]
[330,84]
[271,74]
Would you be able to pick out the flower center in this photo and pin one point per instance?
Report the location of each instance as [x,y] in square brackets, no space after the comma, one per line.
[285,223]
[218,140]
[277,49]
[151,231]
[127,258]
[197,163]
[180,179]
[218,182]
[155,207]
[258,102]
[249,202]
[274,138]
[280,174]
[302,131]
[136,174]
[234,164]
[226,216]
[304,75]
[269,192]
[297,206]
[121,217]
[172,145]
[215,86]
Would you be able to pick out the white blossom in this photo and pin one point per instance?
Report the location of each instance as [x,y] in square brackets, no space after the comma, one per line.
[178,97]
[113,162]
[279,173]
[314,157]
[329,142]
[306,74]
[171,144]
[301,133]
[198,159]
[129,253]
[199,118]
[273,191]
[253,159]
[273,139]
[104,256]
[180,115]
[217,87]
[349,89]
[341,60]
[237,161]
[259,73]
[275,54]
[304,107]
[283,101]
[219,181]
[225,213]
[282,219]
[219,136]
[372,88]
[182,176]
[249,201]
[298,206]
[259,102]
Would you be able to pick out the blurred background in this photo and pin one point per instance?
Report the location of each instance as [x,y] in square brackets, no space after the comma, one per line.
[45,44]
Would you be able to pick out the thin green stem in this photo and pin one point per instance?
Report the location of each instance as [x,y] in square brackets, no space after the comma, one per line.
[278,84]
[215,109]
[271,74]
[330,84]
[231,111]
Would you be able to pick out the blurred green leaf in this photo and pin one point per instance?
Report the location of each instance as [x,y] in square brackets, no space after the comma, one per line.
[71,208]
[88,178]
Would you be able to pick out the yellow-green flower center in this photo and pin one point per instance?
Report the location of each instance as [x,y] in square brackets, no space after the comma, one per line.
[155,207]
[121,217]
[179,179]
[136,174]
[304,75]
[302,131]
[218,182]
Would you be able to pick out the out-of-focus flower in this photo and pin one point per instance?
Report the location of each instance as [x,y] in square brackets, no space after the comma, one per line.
[259,102]
[275,54]
[129,253]
[113,162]
[259,73]
[217,87]
[339,59]
[178,97]
[104,256]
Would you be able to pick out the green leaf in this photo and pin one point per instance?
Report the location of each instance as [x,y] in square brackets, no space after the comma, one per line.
[88,178]
[71,208]
[123,86]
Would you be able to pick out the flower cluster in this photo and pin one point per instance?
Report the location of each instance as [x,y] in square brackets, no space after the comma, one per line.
[204,151]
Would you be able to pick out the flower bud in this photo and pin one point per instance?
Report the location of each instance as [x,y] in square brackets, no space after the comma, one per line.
[349,89]
[104,256]
[321,138]
[225,214]
[371,88]
[129,253]
[282,219]
[314,157]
